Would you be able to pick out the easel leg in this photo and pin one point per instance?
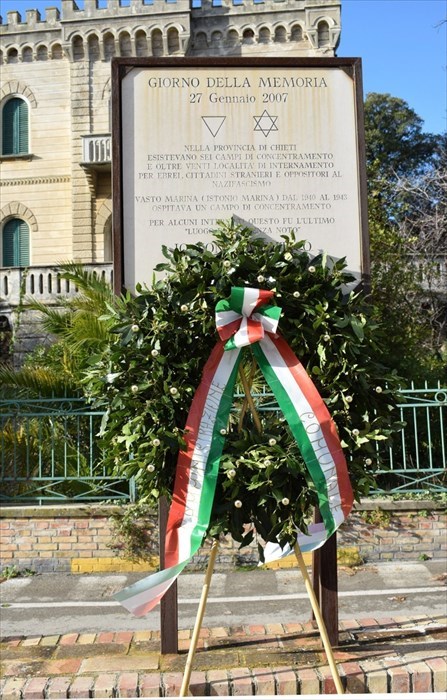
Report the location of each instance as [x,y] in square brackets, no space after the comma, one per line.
[199,619]
[320,622]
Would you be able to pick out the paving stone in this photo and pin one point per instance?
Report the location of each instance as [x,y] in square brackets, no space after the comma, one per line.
[355,678]
[58,666]
[377,682]
[35,689]
[86,639]
[31,641]
[58,687]
[105,638]
[399,680]
[49,641]
[420,678]
[142,636]
[219,632]
[264,679]
[198,685]
[172,682]
[241,681]
[150,685]
[104,664]
[12,688]
[328,686]
[218,682]
[127,685]
[439,669]
[68,639]
[21,669]
[309,681]
[286,682]
[123,637]
[274,628]
[87,650]
[81,687]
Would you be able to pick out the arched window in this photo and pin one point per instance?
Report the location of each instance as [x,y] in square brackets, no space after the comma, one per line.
[157,42]
[15,244]
[15,127]
[173,41]
[280,35]
[141,43]
[323,34]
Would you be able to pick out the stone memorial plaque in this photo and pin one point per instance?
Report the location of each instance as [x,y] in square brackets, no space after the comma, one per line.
[273,143]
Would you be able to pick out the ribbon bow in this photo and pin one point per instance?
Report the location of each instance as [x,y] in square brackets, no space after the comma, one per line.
[237,320]
[246,318]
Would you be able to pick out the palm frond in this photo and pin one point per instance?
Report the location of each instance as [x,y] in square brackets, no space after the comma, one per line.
[38,381]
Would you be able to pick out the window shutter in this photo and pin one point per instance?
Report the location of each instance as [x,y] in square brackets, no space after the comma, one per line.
[23,244]
[22,127]
[15,248]
[8,245]
[15,127]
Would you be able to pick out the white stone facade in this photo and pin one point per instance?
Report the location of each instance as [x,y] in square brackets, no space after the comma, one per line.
[59,65]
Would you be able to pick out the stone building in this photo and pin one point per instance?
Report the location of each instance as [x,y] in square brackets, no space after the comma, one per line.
[55,110]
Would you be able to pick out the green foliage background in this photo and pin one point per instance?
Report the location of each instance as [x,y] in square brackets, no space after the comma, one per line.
[162,338]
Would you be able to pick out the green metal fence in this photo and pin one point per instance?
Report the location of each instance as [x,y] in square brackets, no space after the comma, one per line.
[417,461]
[49,452]
[49,449]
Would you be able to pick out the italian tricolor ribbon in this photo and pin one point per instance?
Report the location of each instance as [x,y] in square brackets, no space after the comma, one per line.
[247,318]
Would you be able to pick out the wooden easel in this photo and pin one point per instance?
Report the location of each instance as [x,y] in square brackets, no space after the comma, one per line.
[209,572]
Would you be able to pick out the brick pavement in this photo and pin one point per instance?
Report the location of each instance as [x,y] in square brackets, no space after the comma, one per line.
[374,656]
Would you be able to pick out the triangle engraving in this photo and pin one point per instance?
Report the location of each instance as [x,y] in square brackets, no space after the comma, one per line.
[213,124]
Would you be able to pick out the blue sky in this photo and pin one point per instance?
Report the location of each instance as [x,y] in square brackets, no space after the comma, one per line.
[402,43]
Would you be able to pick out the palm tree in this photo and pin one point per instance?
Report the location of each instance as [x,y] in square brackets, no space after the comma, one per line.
[80,326]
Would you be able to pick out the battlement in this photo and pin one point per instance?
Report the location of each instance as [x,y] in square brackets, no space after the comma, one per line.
[101,29]
[79,10]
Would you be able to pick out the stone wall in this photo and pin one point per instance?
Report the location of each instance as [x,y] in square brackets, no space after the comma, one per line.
[76,538]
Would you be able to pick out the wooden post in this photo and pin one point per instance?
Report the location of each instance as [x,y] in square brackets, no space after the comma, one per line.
[316,565]
[320,622]
[199,619]
[325,582]
[329,588]
[169,603]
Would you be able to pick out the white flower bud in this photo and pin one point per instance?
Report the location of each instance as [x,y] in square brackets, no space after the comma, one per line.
[326,338]
[356,432]
[238,504]
[368,462]
[135,328]
[222,431]
[226,263]
[156,442]
[134,388]
[173,391]
[296,295]
[184,307]
[311,268]
[349,399]
[154,353]
[379,389]
[267,463]
[232,473]
[150,468]
[285,501]
[272,442]
[260,279]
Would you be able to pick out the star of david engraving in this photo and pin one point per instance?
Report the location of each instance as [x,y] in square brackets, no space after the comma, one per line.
[265,123]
